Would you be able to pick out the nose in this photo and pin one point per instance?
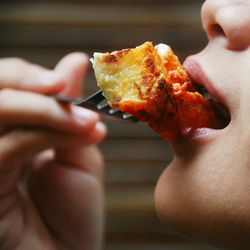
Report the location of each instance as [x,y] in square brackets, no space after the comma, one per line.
[229,19]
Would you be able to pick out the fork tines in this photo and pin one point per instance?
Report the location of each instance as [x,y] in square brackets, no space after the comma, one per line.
[97,102]
[93,99]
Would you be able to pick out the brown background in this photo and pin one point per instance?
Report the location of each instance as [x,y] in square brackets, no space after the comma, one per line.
[44,31]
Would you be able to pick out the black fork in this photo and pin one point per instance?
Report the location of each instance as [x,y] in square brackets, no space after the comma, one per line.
[98,103]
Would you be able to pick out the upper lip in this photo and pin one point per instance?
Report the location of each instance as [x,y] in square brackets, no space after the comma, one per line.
[197,74]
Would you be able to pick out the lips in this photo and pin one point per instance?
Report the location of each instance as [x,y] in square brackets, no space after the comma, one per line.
[208,89]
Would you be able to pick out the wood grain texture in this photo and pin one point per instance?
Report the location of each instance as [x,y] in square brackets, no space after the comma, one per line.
[44,31]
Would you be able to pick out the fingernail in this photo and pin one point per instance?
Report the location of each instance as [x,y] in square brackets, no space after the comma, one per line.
[83,116]
[101,127]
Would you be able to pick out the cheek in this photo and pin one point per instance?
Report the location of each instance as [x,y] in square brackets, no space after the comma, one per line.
[181,198]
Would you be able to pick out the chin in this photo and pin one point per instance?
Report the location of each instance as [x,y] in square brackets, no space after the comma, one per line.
[200,215]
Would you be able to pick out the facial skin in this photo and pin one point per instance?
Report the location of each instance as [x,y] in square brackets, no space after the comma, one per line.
[204,194]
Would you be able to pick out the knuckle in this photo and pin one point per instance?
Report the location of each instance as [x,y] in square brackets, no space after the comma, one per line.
[10,146]
[20,140]
[17,145]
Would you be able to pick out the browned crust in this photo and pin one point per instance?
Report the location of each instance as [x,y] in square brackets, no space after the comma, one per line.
[114,57]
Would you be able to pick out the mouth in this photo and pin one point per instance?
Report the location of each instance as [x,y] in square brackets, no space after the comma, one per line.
[211,92]
[221,110]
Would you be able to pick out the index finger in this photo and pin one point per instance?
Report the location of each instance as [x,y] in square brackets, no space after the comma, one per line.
[73,68]
[19,74]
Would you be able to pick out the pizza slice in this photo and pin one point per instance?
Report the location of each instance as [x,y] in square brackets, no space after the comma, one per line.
[150,83]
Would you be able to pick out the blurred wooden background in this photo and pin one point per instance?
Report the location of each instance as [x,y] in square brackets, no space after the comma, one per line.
[43,31]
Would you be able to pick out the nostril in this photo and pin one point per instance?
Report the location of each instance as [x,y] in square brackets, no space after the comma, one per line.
[235,37]
[216,30]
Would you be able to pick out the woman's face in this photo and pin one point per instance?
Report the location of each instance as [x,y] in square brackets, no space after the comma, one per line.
[205,192]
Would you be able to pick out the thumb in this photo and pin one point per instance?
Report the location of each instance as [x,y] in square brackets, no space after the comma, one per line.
[73,68]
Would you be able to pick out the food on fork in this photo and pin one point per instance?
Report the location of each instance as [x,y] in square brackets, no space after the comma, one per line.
[150,83]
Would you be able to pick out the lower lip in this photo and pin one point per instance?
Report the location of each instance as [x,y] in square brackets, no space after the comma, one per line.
[199,136]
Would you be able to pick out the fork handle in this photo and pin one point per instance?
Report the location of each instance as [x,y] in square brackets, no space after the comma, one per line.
[66,99]
[75,101]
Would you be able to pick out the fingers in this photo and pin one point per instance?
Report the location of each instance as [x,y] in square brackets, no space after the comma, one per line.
[18,145]
[73,68]
[31,109]
[71,203]
[87,159]
[67,76]
[17,73]
[70,183]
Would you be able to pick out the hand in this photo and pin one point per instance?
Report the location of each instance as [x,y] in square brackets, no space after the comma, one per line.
[50,170]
